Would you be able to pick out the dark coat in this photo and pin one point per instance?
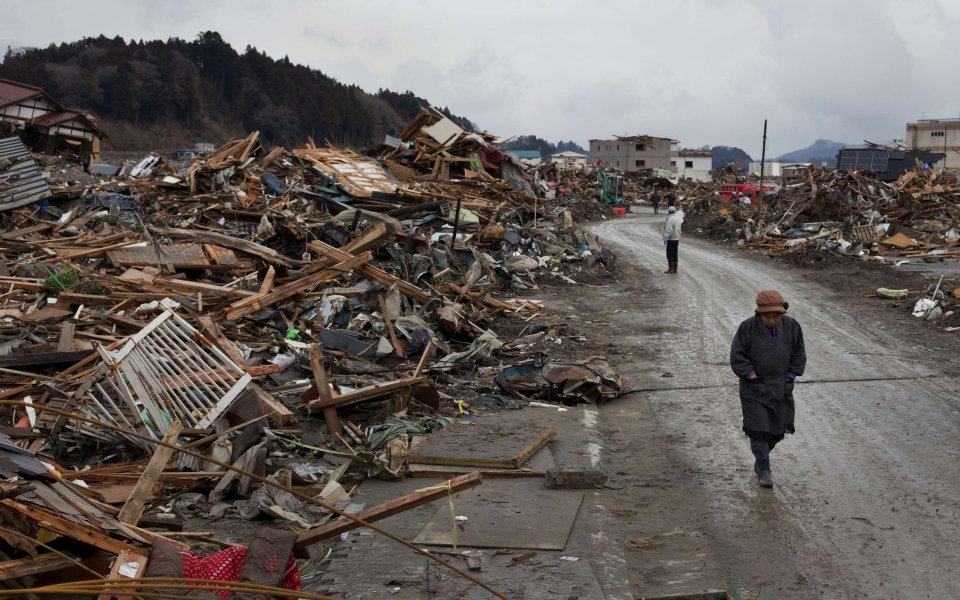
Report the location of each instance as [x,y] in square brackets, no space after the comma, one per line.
[767,402]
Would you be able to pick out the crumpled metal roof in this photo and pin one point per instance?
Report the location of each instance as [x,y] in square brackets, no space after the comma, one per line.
[20,180]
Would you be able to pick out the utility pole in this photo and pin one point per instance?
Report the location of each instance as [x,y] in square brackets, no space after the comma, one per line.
[763,158]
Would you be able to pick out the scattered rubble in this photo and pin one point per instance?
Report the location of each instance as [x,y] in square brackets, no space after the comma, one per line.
[253,333]
[838,215]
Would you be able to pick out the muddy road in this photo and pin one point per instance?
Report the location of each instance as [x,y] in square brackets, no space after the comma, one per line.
[867,493]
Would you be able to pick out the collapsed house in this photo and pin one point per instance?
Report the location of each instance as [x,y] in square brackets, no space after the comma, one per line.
[45,125]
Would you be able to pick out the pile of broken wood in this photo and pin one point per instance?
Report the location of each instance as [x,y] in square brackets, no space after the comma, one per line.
[167,334]
[846,212]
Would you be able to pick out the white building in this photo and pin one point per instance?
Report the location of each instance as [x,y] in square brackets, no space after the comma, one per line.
[770,169]
[694,164]
[635,153]
[568,159]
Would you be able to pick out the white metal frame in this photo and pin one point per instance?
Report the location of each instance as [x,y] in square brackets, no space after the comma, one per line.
[169,371]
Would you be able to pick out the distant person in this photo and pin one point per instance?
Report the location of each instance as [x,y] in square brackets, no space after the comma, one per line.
[671,237]
[671,200]
[655,201]
[767,354]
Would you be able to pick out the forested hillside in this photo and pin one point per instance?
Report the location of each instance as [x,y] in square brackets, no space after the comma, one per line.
[164,94]
[532,142]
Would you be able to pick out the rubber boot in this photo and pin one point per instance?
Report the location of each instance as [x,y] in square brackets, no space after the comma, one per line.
[673,267]
[669,268]
[762,469]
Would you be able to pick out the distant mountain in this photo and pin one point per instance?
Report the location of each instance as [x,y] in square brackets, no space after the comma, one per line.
[821,151]
[724,155]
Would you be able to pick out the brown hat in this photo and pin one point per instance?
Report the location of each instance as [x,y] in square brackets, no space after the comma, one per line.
[771,301]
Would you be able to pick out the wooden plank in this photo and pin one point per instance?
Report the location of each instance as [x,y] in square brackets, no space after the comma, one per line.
[323,390]
[65,343]
[267,285]
[281,414]
[253,304]
[261,370]
[22,283]
[367,393]
[23,567]
[127,565]
[482,445]
[133,508]
[268,255]
[212,331]
[126,324]
[374,273]
[382,511]
[398,348]
[88,299]
[93,252]
[68,528]
[178,256]
[193,287]
[49,313]
[517,514]
[370,237]
[37,359]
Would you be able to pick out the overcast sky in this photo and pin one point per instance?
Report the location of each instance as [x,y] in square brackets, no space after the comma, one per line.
[701,71]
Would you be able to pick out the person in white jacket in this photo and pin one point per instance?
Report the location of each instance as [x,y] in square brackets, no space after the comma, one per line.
[671,237]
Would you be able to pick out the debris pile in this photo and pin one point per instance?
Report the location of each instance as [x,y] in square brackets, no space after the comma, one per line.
[168,333]
[909,222]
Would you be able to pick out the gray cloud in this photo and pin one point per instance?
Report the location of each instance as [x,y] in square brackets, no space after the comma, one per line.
[704,72]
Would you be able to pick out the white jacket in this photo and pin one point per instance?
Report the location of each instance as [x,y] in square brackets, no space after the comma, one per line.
[671,228]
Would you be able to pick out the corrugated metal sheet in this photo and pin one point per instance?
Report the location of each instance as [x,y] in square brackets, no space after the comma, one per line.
[20,180]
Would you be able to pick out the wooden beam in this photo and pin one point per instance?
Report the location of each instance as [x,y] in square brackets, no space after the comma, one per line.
[133,508]
[65,343]
[423,359]
[37,359]
[193,287]
[371,272]
[267,254]
[68,528]
[267,285]
[382,511]
[251,305]
[23,567]
[367,393]
[323,390]
[211,330]
[398,348]
[370,237]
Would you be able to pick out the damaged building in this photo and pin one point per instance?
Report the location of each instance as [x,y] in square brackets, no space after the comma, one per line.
[45,125]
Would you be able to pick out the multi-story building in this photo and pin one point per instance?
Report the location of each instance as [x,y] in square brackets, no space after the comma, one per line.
[936,135]
[636,153]
[694,164]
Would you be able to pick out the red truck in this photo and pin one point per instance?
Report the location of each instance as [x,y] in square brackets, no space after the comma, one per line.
[736,191]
